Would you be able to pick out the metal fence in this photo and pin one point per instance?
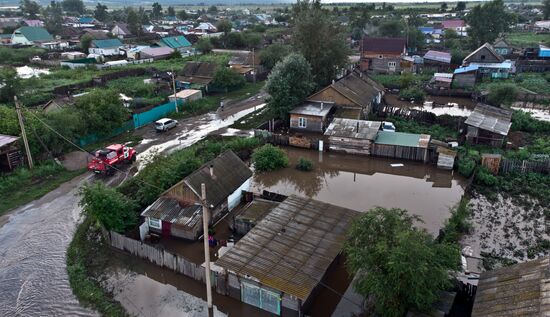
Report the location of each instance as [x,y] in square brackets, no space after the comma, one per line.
[157,256]
[525,166]
[144,118]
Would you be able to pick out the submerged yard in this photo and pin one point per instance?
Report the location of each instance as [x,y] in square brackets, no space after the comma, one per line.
[362,183]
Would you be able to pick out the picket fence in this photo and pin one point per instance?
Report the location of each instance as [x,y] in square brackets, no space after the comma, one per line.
[525,166]
[157,256]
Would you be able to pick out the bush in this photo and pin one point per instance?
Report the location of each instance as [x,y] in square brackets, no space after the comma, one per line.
[458,224]
[466,167]
[228,79]
[502,94]
[484,177]
[523,121]
[304,164]
[412,93]
[269,158]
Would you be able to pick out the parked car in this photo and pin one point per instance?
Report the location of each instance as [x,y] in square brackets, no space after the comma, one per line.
[387,126]
[165,124]
[106,159]
[36,59]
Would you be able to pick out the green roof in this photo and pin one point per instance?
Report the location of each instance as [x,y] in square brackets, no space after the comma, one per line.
[33,33]
[175,42]
[110,43]
[402,139]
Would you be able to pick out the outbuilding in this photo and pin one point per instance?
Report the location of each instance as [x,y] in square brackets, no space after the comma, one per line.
[352,136]
[402,145]
[488,125]
[10,154]
[311,116]
[186,95]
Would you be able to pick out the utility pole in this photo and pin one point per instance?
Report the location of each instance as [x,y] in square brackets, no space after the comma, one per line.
[23,133]
[174,87]
[253,66]
[206,247]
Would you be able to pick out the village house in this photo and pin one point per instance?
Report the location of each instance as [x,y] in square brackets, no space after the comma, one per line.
[197,75]
[352,136]
[311,116]
[517,290]
[257,268]
[502,47]
[95,34]
[156,53]
[401,145]
[436,61]
[488,125]
[110,47]
[32,23]
[121,30]
[178,43]
[10,154]
[382,55]
[489,62]
[31,35]
[354,96]
[459,26]
[178,212]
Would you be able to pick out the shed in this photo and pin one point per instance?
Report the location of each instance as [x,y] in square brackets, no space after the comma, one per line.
[279,264]
[311,116]
[445,158]
[518,290]
[465,77]
[252,214]
[352,136]
[488,125]
[186,95]
[437,61]
[172,217]
[402,145]
[10,154]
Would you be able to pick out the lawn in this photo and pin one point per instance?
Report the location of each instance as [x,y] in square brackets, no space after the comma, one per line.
[527,39]
[24,185]
[536,82]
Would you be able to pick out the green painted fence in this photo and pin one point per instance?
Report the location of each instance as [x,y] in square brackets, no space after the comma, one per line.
[144,118]
[92,138]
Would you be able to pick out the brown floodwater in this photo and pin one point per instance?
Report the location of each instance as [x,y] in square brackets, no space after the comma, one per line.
[362,182]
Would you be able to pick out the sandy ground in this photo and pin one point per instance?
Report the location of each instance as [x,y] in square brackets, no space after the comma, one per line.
[506,228]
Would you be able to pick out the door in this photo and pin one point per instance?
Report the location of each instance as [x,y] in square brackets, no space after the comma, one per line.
[126,153]
[166,228]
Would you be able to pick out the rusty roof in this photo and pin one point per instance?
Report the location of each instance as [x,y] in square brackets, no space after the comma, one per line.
[293,246]
[7,139]
[518,290]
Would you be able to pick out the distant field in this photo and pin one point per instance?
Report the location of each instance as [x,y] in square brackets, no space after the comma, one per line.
[526,39]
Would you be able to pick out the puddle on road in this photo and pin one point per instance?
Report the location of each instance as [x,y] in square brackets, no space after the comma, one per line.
[362,183]
[194,132]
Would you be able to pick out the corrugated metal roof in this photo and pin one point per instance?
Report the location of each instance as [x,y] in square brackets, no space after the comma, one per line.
[157,51]
[313,108]
[489,118]
[403,139]
[34,33]
[351,128]
[109,43]
[175,42]
[518,290]
[466,69]
[7,139]
[293,246]
[229,174]
[171,210]
[443,57]
[506,65]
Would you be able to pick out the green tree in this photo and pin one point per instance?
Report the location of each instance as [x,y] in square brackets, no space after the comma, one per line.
[273,54]
[224,26]
[546,9]
[443,7]
[108,207]
[289,83]
[391,28]
[101,13]
[212,9]
[269,158]
[171,12]
[30,8]
[133,21]
[416,39]
[234,40]
[53,15]
[74,6]
[397,263]
[204,45]
[487,21]
[85,42]
[252,40]
[143,17]
[228,79]
[502,94]
[182,15]
[320,40]
[460,6]
[10,84]
[103,111]
[156,14]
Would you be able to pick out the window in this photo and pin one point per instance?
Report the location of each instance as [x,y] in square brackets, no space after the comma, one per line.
[392,64]
[482,57]
[302,122]
[380,56]
[154,223]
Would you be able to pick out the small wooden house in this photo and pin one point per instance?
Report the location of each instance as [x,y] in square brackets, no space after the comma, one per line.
[311,116]
[175,213]
[197,75]
[10,154]
[437,61]
[484,54]
[382,54]
[352,136]
[465,77]
[401,145]
[488,125]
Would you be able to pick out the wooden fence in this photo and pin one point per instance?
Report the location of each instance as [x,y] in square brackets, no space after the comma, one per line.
[407,113]
[525,166]
[158,256]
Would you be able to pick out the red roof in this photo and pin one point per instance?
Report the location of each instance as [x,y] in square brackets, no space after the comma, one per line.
[452,24]
[384,44]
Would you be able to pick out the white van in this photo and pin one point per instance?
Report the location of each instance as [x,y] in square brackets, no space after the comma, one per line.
[165,124]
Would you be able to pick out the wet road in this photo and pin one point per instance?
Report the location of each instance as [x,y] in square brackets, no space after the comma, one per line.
[34,238]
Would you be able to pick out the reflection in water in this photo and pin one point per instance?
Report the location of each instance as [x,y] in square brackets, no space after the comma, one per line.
[361,183]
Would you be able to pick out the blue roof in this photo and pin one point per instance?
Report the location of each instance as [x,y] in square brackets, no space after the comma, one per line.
[175,42]
[544,51]
[86,20]
[110,43]
[426,29]
[466,69]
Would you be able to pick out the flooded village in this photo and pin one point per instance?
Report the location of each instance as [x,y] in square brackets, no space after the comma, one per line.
[291,159]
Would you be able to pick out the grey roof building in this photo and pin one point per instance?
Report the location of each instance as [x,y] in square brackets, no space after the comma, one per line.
[488,125]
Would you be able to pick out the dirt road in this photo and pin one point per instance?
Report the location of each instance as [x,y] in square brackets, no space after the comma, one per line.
[34,238]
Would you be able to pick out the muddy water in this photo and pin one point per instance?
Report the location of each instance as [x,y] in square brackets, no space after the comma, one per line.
[362,183]
[33,244]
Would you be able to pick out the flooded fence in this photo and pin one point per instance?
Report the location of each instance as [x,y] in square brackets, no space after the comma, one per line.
[406,113]
[296,140]
[157,256]
[525,166]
